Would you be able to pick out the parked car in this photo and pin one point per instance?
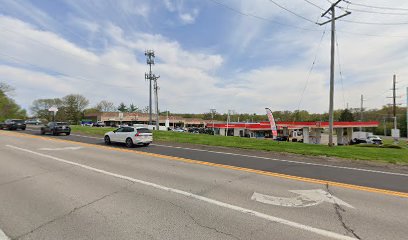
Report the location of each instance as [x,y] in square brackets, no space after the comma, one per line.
[13,124]
[282,139]
[33,122]
[374,140]
[56,128]
[130,136]
[355,141]
[99,124]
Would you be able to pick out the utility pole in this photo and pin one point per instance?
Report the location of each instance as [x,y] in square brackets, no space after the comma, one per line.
[212,118]
[395,135]
[228,120]
[361,110]
[333,19]
[150,76]
[407,114]
[156,94]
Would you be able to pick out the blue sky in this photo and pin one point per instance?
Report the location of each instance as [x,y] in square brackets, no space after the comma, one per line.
[223,54]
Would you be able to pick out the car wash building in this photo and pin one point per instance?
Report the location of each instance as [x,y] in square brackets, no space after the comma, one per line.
[308,132]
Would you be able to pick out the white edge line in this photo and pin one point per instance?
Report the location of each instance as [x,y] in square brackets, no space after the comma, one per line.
[3,236]
[284,160]
[318,231]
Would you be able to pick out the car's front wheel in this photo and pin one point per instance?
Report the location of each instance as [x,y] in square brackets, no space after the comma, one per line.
[107,140]
[129,142]
[42,132]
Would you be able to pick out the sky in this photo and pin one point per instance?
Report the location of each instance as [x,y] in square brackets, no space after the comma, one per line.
[210,54]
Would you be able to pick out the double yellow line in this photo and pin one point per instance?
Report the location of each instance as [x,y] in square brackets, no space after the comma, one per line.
[186,160]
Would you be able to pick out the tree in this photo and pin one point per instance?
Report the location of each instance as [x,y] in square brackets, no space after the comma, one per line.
[145,109]
[133,108]
[74,105]
[40,107]
[122,107]
[105,106]
[346,116]
[8,108]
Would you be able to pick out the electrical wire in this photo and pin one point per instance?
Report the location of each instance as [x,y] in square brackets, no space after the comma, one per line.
[259,17]
[340,71]
[373,12]
[376,7]
[59,50]
[305,29]
[314,4]
[22,62]
[311,69]
[292,12]
[375,23]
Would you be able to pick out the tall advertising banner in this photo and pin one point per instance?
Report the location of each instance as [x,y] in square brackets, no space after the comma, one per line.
[272,122]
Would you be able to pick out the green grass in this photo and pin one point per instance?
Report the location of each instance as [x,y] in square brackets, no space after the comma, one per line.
[383,154]
[96,131]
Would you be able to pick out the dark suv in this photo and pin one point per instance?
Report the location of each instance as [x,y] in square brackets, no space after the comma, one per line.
[13,124]
[56,128]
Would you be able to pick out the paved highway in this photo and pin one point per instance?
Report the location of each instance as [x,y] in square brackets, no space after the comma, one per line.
[52,189]
[349,172]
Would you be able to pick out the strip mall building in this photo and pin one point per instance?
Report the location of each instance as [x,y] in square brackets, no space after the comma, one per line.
[310,132]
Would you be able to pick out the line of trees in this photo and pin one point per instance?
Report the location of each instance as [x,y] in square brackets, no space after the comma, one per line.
[70,108]
[8,107]
[383,116]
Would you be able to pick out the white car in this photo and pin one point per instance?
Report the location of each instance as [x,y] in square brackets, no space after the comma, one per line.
[374,140]
[130,136]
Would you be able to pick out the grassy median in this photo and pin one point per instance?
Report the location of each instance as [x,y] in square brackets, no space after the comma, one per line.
[359,152]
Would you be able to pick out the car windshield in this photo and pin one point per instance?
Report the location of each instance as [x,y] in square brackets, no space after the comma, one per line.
[18,121]
[61,123]
[143,130]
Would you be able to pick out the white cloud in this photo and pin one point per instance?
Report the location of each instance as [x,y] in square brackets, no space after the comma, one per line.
[185,14]
[195,80]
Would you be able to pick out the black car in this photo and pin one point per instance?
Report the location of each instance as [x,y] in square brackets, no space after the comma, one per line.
[13,124]
[56,128]
[357,141]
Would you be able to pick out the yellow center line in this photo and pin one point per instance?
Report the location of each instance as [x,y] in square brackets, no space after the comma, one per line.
[186,160]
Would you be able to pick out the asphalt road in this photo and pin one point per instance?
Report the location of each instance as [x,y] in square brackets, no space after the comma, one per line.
[349,172]
[52,189]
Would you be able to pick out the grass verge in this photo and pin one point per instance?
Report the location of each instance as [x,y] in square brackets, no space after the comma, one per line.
[390,155]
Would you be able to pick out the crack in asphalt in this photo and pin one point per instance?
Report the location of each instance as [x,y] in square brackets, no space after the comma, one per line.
[192,217]
[33,176]
[339,210]
[223,183]
[202,225]
[69,213]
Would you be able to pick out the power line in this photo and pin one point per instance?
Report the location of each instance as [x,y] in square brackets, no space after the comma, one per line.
[376,7]
[376,23]
[292,12]
[60,50]
[311,70]
[314,4]
[373,12]
[259,17]
[20,61]
[288,25]
[340,71]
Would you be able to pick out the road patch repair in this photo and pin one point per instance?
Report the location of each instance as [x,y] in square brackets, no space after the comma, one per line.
[289,223]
